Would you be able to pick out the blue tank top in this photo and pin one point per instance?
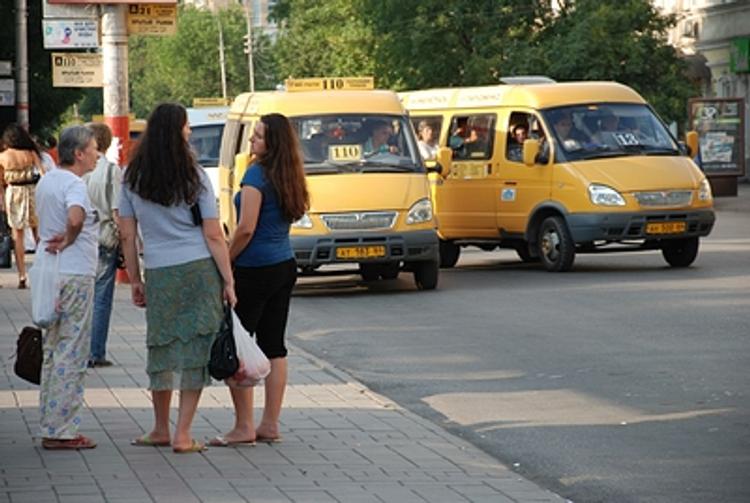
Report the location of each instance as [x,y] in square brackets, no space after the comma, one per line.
[270,243]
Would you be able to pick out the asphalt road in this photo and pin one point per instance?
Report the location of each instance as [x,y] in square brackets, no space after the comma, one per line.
[621,381]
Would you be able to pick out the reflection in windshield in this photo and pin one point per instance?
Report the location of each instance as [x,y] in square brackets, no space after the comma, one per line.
[608,130]
[357,143]
[206,142]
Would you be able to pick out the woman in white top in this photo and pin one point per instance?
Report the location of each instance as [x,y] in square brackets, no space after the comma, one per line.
[69,227]
[427,141]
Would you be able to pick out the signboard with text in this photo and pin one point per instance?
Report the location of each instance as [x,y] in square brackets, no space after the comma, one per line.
[70,33]
[152,19]
[62,11]
[70,69]
[86,2]
[720,124]
[7,92]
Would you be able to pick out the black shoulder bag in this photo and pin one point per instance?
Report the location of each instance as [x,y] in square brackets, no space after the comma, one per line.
[223,362]
[29,355]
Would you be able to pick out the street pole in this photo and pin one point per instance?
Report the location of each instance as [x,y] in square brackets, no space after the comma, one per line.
[222,62]
[249,20]
[22,65]
[115,74]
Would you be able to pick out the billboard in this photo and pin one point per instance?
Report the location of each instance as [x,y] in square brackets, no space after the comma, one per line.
[720,123]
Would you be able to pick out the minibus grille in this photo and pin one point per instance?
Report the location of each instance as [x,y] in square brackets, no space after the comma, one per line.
[664,198]
[367,220]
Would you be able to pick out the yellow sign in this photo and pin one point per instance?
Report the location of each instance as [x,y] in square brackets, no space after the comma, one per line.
[76,69]
[330,84]
[152,19]
[211,102]
[345,152]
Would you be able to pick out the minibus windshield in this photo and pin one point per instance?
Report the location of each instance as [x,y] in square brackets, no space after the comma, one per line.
[357,143]
[608,130]
[206,141]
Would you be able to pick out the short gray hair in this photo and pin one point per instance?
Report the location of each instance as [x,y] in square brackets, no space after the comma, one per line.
[71,139]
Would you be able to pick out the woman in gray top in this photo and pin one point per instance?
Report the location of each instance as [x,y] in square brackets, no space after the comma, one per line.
[187,268]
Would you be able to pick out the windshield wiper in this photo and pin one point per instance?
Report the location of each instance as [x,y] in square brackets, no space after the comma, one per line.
[386,168]
[324,168]
[662,151]
[605,154]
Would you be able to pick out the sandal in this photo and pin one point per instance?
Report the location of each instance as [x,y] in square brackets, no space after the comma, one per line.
[22,283]
[194,447]
[220,441]
[146,441]
[76,443]
[268,440]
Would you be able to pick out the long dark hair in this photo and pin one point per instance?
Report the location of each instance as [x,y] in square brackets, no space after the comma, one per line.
[18,138]
[162,168]
[284,167]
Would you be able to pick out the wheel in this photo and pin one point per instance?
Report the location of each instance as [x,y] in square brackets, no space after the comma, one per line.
[426,274]
[680,252]
[556,248]
[522,249]
[390,270]
[449,253]
[369,272]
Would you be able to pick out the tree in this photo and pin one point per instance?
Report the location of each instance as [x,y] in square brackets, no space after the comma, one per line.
[184,66]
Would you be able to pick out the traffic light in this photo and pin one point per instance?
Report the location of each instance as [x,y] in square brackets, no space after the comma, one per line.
[246,44]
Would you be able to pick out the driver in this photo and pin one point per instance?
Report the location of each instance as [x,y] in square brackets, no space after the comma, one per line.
[380,133]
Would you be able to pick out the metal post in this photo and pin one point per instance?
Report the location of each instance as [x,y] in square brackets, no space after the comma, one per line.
[222,62]
[115,74]
[249,20]
[22,65]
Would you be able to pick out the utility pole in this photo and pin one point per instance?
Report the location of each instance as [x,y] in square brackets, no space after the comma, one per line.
[249,48]
[222,63]
[115,74]
[22,65]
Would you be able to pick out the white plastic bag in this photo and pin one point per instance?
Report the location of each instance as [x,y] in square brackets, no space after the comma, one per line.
[254,366]
[45,289]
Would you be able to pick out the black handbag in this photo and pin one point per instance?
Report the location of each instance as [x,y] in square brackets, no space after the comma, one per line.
[29,355]
[223,362]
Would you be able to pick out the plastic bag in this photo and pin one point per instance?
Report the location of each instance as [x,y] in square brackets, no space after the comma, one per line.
[254,366]
[45,289]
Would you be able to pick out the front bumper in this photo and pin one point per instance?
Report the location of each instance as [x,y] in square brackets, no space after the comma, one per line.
[411,246]
[628,226]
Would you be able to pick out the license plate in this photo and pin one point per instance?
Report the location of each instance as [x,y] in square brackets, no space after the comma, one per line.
[356,252]
[665,228]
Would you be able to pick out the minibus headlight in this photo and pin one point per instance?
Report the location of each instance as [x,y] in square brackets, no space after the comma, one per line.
[303,223]
[704,191]
[601,195]
[420,212]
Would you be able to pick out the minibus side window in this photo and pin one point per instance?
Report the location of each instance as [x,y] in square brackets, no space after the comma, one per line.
[471,137]
[247,132]
[428,134]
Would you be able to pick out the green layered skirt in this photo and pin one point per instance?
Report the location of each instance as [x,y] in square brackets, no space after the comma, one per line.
[183,315]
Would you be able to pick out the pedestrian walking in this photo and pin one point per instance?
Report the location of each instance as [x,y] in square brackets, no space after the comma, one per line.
[273,195]
[187,269]
[103,186]
[21,167]
[69,227]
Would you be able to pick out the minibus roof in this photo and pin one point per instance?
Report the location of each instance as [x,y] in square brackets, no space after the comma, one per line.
[295,104]
[537,96]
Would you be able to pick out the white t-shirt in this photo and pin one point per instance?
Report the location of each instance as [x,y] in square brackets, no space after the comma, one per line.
[429,152]
[58,191]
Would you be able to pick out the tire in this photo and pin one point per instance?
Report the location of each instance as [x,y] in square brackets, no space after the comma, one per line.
[522,249]
[680,252]
[390,270]
[556,248]
[426,274]
[449,253]
[369,272]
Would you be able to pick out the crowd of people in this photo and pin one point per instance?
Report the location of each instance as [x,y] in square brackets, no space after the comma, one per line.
[89,212]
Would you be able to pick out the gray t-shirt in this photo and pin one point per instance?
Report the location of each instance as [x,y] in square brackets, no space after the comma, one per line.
[169,235]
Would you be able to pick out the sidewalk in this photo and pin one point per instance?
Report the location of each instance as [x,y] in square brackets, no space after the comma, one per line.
[342,442]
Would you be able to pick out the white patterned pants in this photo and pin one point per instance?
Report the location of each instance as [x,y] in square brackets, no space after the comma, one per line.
[66,347]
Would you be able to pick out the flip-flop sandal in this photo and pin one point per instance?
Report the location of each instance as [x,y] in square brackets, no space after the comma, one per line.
[268,440]
[194,447]
[220,441]
[77,443]
[146,441]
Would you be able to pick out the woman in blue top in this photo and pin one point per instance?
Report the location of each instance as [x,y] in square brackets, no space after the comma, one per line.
[273,195]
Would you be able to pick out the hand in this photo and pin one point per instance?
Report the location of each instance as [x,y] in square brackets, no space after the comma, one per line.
[229,295]
[138,292]
[56,243]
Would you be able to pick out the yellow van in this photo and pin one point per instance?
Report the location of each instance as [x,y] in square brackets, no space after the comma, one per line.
[369,193]
[556,169]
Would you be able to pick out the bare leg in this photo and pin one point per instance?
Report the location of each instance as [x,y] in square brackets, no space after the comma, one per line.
[20,254]
[275,387]
[243,430]
[161,400]
[188,405]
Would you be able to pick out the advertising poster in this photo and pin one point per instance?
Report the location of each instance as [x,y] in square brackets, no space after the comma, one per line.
[70,33]
[721,132]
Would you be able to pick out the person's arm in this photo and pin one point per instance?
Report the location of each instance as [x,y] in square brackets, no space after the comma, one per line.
[73,227]
[128,237]
[250,200]
[218,248]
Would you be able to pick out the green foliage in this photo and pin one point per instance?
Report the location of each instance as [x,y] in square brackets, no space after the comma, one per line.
[184,66]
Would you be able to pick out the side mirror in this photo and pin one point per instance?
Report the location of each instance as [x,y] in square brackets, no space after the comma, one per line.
[691,139]
[530,151]
[444,161]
